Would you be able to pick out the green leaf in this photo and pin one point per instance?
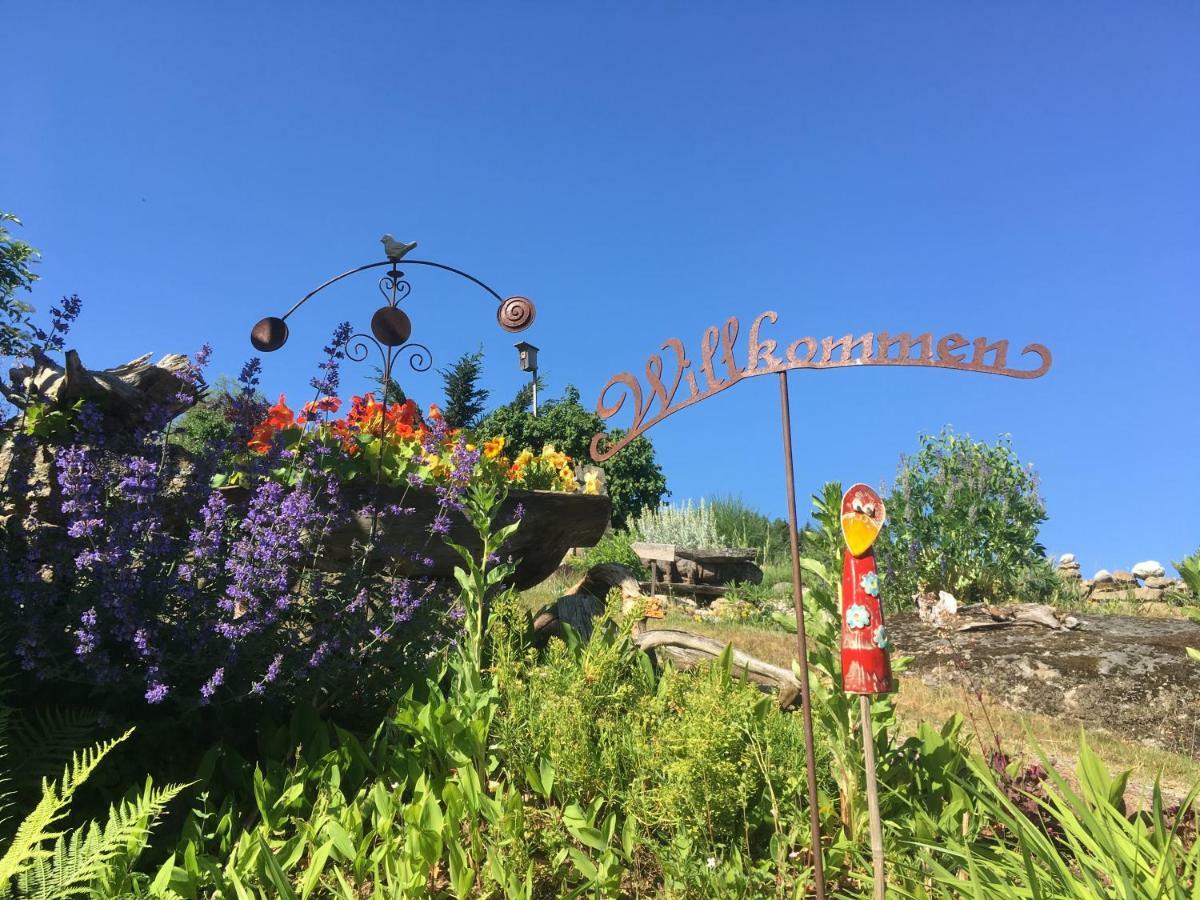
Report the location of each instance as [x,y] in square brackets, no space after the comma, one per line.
[1193,653]
[273,873]
[312,877]
[580,827]
[586,867]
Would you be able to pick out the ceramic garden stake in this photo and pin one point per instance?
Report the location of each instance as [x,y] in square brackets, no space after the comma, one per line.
[865,645]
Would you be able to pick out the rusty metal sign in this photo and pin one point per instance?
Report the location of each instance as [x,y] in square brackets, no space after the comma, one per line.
[655,398]
[719,369]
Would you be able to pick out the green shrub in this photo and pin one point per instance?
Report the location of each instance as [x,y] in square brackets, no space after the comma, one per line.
[615,547]
[716,743]
[963,517]
[740,526]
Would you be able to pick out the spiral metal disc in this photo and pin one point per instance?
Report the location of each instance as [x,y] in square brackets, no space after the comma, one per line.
[516,314]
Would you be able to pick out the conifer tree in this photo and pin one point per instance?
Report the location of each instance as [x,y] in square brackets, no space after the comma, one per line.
[465,399]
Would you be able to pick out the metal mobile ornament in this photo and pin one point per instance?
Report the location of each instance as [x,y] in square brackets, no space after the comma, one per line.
[391,326]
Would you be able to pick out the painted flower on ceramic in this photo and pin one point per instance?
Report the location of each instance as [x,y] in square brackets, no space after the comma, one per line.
[857,616]
[870,583]
[882,639]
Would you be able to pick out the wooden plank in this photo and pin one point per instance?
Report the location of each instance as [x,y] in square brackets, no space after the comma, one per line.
[716,554]
[654,552]
[696,590]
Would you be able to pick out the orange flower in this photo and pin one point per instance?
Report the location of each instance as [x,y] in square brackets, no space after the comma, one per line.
[492,448]
[279,416]
[315,408]
[260,438]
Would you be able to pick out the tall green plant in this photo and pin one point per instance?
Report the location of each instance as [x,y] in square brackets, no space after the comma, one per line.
[16,257]
[963,516]
[1080,843]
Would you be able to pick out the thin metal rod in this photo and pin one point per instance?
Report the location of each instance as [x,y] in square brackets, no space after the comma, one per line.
[535,393]
[407,262]
[868,736]
[810,761]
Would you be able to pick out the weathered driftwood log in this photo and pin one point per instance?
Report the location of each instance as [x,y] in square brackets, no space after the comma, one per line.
[686,649]
[126,392]
[124,395]
[580,606]
[1037,615]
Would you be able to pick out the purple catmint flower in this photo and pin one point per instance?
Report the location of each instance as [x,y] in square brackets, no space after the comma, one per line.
[85,634]
[156,692]
[210,687]
[518,513]
[61,319]
[318,655]
[140,481]
[328,381]
[269,677]
[249,376]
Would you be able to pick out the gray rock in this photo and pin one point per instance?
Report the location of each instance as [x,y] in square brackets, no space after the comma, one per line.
[1127,593]
[1157,581]
[1121,577]
[1102,577]
[1127,675]
[1151,568]
[1067,559]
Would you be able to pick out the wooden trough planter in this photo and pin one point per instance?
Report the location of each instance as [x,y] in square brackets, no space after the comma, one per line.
[553,523]
[702,572]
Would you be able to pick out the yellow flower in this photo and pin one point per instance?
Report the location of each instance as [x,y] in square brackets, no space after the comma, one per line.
[554,457]
[591,483]
[492,448]
[566,480]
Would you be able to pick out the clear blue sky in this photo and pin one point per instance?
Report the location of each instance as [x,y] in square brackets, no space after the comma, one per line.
[1018,170]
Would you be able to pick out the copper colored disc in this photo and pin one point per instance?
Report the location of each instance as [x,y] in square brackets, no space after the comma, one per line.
[516,314]
[391,326]
[269,334]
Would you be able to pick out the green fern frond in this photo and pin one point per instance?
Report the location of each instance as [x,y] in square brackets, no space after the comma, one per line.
[93,858]
[40,744]
[6,766]
[28,844]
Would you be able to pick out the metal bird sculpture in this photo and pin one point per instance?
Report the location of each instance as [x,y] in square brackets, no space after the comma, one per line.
[395,249]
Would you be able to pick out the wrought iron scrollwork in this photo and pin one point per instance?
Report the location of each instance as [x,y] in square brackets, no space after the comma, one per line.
[358,347]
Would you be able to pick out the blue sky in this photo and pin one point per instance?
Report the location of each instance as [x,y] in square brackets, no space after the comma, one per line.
[1026,171]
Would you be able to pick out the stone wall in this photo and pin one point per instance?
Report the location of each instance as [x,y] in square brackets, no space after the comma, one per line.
[1144,582]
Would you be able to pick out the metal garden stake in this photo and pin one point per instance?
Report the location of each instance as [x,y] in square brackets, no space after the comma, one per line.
[866,669]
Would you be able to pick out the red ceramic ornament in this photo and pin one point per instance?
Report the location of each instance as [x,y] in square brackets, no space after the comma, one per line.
[866,668]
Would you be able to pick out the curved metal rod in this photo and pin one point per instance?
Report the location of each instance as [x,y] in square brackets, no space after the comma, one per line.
[376,265]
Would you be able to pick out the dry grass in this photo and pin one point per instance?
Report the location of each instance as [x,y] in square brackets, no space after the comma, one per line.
[987,720]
